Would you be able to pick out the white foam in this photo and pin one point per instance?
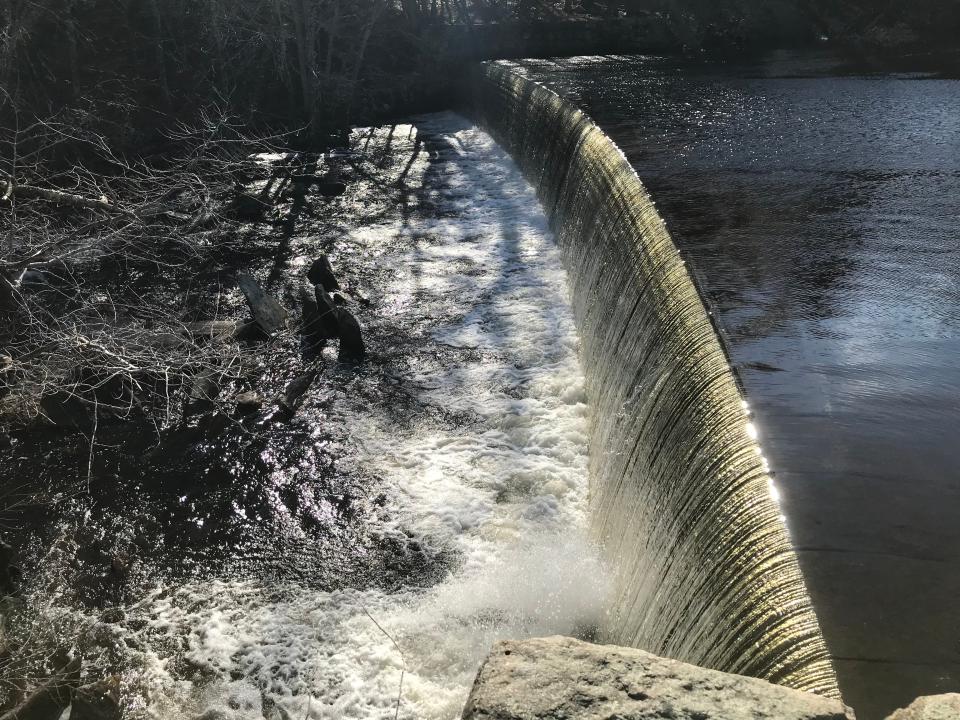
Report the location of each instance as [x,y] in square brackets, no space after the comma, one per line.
[505,490]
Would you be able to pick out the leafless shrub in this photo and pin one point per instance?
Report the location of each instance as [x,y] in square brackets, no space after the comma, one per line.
[67,340]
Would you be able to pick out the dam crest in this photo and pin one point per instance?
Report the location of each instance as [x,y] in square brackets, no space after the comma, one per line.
[681,498]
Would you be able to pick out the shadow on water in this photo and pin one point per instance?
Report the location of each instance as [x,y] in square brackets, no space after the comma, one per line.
[220,496]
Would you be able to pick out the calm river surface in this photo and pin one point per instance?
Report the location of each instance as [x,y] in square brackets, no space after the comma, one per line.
[819,207]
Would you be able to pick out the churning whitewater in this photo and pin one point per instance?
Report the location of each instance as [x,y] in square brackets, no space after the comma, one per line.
[502,488]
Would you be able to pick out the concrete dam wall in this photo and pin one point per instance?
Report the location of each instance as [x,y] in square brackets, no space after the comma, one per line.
[681,499]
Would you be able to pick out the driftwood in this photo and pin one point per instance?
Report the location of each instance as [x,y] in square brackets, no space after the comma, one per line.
[56,196]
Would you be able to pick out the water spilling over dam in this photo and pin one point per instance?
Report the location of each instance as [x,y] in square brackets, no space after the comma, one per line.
[814,197]
[436,499]
[681,499]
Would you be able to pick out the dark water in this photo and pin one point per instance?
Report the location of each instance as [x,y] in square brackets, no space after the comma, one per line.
[819,206]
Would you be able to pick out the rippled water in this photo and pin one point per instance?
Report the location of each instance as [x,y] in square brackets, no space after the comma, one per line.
[417,509]
[819,206]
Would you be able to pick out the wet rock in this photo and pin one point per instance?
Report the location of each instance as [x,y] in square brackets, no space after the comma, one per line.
[312,325]
[293,394]
[97,701]
[561,677]
[267,312]
[49,700]
[212,330]
[248,402]
[330,188]
[321,273]
[327,319]
[932,707]
[249,331]
[34,279]
[213,714]
[351,336]
[273,711]
[248,207]
[204,389]
[113,615]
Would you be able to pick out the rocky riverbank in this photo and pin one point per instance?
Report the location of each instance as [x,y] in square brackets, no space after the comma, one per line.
[558,677]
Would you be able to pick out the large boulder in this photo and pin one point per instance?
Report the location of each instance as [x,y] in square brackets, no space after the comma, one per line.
[932,707]
[559,677]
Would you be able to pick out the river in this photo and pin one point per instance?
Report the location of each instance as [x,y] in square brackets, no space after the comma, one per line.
[360,560]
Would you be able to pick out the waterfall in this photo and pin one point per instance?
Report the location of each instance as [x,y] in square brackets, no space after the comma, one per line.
[681,499]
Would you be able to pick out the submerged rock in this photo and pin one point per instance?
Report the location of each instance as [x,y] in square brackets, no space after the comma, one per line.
[330,188]
[559,677]
[248,207]
[49,700]
[97,701]
[932,707]
[248,402]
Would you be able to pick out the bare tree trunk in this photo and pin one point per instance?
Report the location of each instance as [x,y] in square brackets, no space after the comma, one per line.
[305,30]
[159,55]
[375,14]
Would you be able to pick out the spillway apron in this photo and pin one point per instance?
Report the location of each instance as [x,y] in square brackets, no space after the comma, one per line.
[681,497]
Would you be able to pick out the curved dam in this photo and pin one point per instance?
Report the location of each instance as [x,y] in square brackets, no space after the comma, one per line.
[681,498]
